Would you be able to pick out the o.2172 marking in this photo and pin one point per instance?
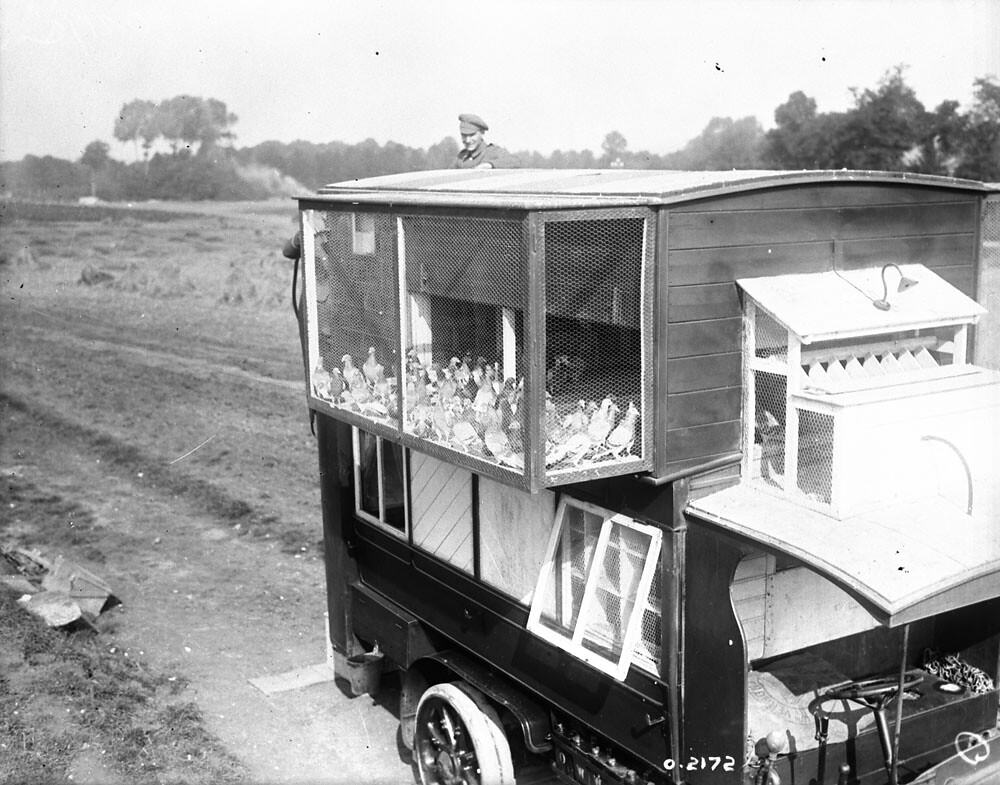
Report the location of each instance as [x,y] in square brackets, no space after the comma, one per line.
[703,763]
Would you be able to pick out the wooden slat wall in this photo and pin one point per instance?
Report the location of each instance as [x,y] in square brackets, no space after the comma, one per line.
[441,499]
[802,229]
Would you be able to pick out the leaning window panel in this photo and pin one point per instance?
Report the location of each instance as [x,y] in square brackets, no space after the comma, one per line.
[594,596]
[352,291]
[463,335]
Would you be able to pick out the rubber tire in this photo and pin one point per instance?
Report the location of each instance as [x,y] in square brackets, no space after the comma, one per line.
[481,722]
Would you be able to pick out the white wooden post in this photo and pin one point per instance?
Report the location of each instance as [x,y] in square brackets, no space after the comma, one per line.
[309,289]
[509,343]
[961,344]
[792,414]
[749,388]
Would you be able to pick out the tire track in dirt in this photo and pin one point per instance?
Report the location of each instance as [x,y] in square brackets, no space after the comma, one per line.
[158,358]
[256,469]
[130,462]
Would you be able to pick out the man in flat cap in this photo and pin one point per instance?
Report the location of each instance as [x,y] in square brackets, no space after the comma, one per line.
[476,153]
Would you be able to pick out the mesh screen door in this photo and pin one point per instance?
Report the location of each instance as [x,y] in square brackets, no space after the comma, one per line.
[353,315]
[594,590]
[598,332]
[462,295]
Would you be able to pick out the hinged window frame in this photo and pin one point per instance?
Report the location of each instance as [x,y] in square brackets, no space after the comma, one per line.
[632,627]
[380,520]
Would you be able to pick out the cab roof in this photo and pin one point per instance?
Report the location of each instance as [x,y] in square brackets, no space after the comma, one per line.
[530,189]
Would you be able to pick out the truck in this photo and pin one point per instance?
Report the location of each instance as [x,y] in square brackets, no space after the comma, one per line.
[664,477]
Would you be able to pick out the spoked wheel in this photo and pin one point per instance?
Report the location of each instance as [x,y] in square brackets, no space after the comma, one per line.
[459,740]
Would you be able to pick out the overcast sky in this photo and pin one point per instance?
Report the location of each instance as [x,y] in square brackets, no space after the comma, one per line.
[546,74]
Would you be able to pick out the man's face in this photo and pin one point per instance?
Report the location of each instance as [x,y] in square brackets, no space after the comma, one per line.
[473,140]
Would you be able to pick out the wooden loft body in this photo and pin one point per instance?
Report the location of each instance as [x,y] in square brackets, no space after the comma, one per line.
[708,230]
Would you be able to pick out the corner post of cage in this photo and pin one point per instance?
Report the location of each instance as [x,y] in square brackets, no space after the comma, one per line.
[308,219]
[749,377]
[659,303]
[403,314]
[672,567]
[986,341]
[533,280]
[793,383]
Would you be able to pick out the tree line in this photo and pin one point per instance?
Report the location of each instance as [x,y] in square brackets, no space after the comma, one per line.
[887,128]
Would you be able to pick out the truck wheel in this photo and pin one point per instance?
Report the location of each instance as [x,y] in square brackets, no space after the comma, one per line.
[459,740]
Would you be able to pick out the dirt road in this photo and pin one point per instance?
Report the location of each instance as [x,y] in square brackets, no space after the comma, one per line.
[154,429]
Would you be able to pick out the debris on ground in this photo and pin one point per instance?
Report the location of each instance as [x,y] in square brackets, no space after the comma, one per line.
[93,276]
[61,592]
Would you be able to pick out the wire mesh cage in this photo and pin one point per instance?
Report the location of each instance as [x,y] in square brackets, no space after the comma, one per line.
[353,312]
[429,327]
[464,335]
[597,333]
[597,597]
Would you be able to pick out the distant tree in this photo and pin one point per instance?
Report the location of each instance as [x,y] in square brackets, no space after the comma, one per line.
[884,125]
[942,137]
[881,131]
[978,148]
[96,158]
[53,178]
[96,155]
[615,148]
[583,159]
[889,128]
[197,123]
[723,144]
[793,143]
[442,155]
[138,120]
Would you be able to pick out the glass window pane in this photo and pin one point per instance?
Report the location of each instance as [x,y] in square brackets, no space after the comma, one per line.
[393,490]
[367,459]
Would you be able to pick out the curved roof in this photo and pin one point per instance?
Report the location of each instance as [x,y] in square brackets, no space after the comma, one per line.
[569,188]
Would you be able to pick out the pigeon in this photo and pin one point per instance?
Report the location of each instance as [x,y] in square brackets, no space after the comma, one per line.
[464,433]
[321,382]
[577,420]
[485,395]
[622,437]
[441,420]
[494,437]
[601,422]
[372,368]
[355,380]
[328,384]
[352,376]
[446,386]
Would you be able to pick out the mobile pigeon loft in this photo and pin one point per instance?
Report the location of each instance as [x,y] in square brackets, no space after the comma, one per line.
[665,477]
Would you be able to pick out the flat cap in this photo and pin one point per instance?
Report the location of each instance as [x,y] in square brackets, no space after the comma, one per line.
[470,123]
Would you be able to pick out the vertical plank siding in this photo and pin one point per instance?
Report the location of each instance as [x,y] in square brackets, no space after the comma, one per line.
[713,242]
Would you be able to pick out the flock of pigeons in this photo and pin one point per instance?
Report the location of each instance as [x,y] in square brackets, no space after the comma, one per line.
[466,406]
